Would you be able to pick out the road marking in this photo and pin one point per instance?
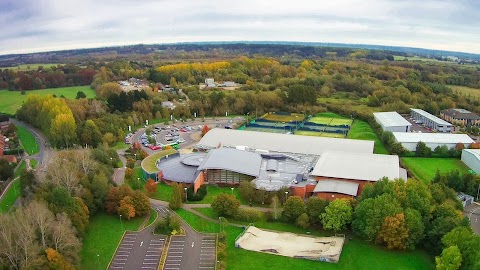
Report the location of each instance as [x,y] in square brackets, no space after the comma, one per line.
[152,250]
[150,255]
[176,247]
[208,254]
[155,244]
[193,244]
[124,251]
[118,263]
[126,244]
[171,256]
[150,259]
[121,255]
[206,267]
[178,241]
[147,267]
[172,264]
[208,247]
[141,243]
[148,263]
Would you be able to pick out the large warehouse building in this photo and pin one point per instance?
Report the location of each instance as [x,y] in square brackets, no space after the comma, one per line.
[392,121]
[307,166]
[471,158]
[430,121]
[410,140]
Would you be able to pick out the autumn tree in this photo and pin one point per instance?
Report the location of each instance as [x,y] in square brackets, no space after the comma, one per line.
[141,203]
[451,259]
[57,261]
[338,214]
[126,208]
[151,187]
[205,129]
[394,232]
[63,130]
[176,199]
[293,208]
[225,205]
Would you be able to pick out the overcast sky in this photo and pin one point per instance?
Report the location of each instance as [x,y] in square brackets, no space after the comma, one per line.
[43,25]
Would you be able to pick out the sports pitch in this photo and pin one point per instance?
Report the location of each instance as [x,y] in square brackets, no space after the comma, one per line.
[330,121]
[284,118]
[319,134]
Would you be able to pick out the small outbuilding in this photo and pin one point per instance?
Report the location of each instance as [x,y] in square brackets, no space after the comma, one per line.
[392,121]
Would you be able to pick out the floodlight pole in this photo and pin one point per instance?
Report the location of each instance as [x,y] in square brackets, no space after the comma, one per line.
[186,198]
[286,196]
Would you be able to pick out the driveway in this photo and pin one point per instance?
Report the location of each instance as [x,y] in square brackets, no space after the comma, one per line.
[472,212]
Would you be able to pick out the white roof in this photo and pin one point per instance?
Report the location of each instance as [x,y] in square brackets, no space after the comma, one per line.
[391,119]
[441,138]
[358,166]
[285,143]
[335,186]
[475,152]
[230,159]
[431,117]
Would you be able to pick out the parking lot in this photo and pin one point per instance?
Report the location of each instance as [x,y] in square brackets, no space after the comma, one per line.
[175,260]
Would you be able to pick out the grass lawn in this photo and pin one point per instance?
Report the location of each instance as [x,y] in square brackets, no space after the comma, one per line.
[11,101]
[474,92]
[28,140]
[284,118]
[33,163]
[319,134]
[361,130]
[11,195]
[148,164]
[153,217]
[102,237]
[120,145]
[320,120]
[25,67]
[424,169]
[164,192]
[356,254]
[330,115]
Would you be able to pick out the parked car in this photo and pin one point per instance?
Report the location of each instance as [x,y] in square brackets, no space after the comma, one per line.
[183,130]
[181,140]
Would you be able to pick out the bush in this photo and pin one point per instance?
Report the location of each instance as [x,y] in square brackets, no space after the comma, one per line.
[302,221]
[167,225]
[194,197]
[269,216]
[225,205]
[249,215]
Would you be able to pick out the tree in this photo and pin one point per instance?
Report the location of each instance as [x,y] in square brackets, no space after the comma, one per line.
[337,215]
[293,208]
[247,190]
[80,94]
[415,226]
[126,208]
[303,221]
[6,170]
[141,203]
[394,232]
[90,134]
[205,129]
[451,259]
[176,199]
[130,163]
[422,150]
[57,261]
[315,206]
[370,214]
[151,186]
[63,130]
[468,244]
[225,205]
[275,205]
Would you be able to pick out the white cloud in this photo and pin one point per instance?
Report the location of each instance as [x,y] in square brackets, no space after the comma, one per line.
[32,25]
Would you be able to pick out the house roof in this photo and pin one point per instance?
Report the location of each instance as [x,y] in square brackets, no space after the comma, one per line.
[440,138]
[391,119]
[431,117]
[461,114]
[358,166]
[336,186]
[284,143]
[230,159]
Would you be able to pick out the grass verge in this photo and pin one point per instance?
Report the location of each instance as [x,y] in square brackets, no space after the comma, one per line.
[424,169]
[28,140]
[361,130]
[148,164]
[102,237]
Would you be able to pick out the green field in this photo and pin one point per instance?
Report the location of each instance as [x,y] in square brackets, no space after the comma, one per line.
[11,101]
[26,67]
[424,169]
[284,118]
[28,140]
[148,164]
[164,192]
[10,196]
[319,134]
[464,90]
[356,254]
[361,130]
[102,237]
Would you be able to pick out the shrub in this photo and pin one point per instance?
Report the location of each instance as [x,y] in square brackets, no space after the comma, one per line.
[302,221]
[249,215]
[168,225]
[225,205]
[194,197]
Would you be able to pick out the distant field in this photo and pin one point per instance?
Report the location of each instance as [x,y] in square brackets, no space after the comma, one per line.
[284,118]
[26,67]
[464,90]
[424,169]
[11,101]
[361,130]
[430,60]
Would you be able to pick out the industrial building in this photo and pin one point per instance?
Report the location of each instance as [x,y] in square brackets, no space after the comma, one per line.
[460,117]
[410,140]
[471,158]
[392,121]
[430,121]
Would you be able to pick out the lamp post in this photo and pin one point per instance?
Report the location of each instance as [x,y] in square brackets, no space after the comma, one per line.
[220,222]
[98,260]
[232,189]
[186,196]
[286,196]
[121,223]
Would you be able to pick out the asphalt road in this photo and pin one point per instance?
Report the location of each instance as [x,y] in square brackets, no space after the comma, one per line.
[42,142]
[473,213]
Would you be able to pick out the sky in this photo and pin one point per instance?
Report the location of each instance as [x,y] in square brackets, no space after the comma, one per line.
[45,25]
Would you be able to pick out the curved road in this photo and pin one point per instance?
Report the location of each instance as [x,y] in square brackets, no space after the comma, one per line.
[42,142]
